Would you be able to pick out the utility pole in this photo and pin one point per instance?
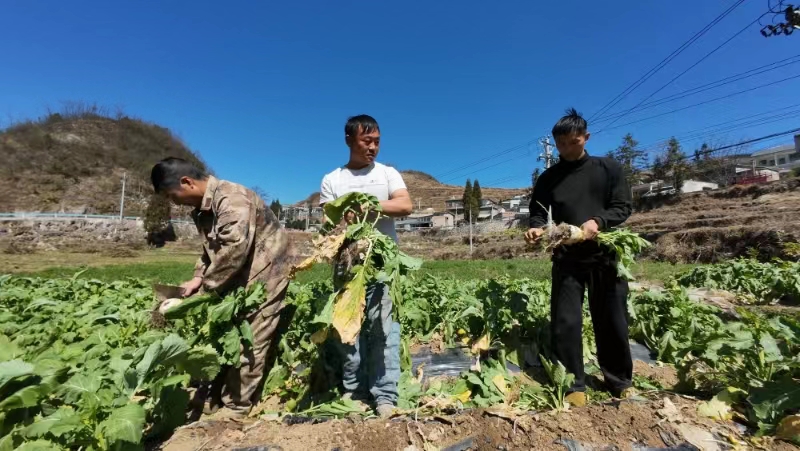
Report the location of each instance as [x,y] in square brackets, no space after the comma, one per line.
[547,154]
[122,197]
[470,230]
[308,214]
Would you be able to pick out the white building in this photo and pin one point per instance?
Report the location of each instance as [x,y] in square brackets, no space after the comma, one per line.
[692,186]
[660,188]
[783,158]
[516,202]
[746,176]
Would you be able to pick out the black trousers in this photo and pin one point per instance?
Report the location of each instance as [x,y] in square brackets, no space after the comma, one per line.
[608,306]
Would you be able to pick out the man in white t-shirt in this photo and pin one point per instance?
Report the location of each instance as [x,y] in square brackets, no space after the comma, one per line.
[372,365]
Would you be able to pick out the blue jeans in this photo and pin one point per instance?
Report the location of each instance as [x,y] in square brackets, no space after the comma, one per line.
[373,363]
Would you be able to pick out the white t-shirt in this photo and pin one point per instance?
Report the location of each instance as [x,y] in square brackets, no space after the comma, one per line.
[376,179]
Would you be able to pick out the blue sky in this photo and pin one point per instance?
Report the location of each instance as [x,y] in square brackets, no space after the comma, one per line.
[262,89]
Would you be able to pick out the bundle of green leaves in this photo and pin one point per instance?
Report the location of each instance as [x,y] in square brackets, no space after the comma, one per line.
[362,256]
[624,243]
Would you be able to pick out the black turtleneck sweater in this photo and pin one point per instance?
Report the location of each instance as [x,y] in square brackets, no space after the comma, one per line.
[589,188]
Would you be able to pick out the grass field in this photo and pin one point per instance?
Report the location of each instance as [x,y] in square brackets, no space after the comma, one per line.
[173,268]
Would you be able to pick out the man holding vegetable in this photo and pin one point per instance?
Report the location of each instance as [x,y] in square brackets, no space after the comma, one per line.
[372,365]
[243,243]
[590,192]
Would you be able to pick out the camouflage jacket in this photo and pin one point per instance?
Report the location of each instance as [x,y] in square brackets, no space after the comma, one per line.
[243,242]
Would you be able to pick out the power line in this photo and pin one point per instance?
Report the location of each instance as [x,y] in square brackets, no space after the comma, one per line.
[613,102]
[699,104]
[687,70]
[731,146]
[483,168]
[485,159]
[729,125]
[706,87]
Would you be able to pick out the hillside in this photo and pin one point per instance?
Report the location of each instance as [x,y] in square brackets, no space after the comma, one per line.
[427,192]
[752,220]
[74,161]
[741,221]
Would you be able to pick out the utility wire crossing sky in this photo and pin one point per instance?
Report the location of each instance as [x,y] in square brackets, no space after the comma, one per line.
[262,89]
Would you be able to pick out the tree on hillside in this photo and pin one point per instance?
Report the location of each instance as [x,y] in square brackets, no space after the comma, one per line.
[466,198]
[157,221]
[631,157]
[676,163]
[534,178]
[476,192]
[471,200]
[276,207]
[477,197]
[659,169]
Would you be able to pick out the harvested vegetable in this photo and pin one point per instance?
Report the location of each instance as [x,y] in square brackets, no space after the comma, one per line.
[168,304]
[623,242]
[362,256]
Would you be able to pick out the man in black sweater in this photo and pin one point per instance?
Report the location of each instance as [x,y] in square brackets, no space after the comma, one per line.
[590,192]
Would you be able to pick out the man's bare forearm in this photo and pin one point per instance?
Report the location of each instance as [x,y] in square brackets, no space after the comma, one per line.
[397,207]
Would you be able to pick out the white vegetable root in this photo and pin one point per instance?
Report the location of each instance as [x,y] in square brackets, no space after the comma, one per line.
[168,304]
[557,235]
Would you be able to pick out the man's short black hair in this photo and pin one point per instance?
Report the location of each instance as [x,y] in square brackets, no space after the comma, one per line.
[362,122]
[167,173]
[571,123]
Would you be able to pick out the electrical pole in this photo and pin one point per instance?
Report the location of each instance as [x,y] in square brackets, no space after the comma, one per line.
[470,230]
[547,154]
[122,197]
[308,214]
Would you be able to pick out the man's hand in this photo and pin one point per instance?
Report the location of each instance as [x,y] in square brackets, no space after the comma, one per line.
[533,235]
[350,217]
[191,287]
[590,229]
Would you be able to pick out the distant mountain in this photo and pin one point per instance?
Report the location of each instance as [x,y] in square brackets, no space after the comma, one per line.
[427,192]
[74,162]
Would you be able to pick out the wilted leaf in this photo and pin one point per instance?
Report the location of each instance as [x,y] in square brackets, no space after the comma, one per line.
[481,344]
[319,336]
[500,382]
[789,429]
[669,412]
[715,408]
[326,248]
[348,311]
[464,396]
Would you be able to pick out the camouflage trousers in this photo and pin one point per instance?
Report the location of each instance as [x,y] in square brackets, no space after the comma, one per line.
[242,386]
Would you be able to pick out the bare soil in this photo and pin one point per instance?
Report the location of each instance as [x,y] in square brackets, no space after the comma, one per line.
[758,221]
[649,422]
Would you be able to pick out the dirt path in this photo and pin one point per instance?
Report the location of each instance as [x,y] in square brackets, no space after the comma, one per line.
[661,421]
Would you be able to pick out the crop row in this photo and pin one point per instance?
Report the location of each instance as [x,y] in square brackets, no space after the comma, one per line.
[84,365]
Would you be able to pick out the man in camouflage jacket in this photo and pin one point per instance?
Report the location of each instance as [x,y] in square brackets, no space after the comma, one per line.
[243,243]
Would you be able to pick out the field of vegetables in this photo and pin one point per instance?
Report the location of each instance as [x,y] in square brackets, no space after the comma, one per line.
[86,365]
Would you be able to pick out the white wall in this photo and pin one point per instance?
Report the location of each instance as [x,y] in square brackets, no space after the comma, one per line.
[691,186]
